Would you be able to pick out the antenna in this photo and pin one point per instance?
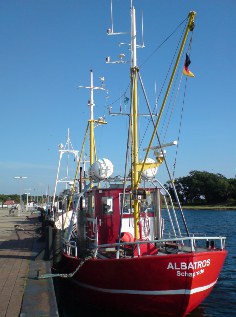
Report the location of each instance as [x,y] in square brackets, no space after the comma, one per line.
[155,88]
[91,103]
[119,61]
[162,146]
[142,46]
[110,31]
[111,19]
[92,87]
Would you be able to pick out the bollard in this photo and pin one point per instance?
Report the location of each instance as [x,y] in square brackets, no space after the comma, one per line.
[57,246]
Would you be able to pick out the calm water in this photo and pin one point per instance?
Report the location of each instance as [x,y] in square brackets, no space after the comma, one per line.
[222,300]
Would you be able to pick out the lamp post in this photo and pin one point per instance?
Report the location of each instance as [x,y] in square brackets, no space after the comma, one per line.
[21,203]
[27,198]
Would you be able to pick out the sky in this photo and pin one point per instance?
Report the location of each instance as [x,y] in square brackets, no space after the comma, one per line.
[47,49]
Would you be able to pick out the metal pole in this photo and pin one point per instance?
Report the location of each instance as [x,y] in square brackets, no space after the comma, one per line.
[21,202]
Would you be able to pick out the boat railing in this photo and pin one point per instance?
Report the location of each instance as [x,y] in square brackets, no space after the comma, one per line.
[174,222]
[92,237]
[70,248]
[182,244]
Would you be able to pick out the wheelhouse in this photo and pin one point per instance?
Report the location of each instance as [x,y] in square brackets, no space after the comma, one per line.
[108,212]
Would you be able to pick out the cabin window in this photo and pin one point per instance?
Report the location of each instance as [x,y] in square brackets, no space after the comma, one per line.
[107,205]
[60,205]
[90,204]
[146,204]
[127,204]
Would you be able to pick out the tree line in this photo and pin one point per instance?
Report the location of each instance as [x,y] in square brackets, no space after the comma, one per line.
[16,198]
[196,188]
[204,188]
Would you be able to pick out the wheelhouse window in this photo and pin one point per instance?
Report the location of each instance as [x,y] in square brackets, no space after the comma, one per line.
[89,205]
[146,203]
[127,204]
[107,205]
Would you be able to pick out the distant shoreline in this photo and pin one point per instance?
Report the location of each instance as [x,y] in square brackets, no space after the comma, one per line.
[209,207]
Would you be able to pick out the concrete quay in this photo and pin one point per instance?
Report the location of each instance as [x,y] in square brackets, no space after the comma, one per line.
[21,258]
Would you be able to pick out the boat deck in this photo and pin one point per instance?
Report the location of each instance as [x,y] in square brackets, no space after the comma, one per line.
[163,249]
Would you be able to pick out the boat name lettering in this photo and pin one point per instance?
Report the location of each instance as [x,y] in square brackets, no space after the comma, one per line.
[189,274]
[188,265]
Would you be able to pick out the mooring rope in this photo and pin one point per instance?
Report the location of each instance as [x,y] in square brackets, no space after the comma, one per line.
[63,275]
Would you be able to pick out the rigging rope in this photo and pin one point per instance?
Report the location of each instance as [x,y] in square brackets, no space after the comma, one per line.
[125,175]
[172,108]
[164,158]
[182,111]
[122,95]
[163,85]
[147,59]
[165,40]
[76,174]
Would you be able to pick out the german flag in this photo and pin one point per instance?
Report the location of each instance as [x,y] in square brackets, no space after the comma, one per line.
[186,71]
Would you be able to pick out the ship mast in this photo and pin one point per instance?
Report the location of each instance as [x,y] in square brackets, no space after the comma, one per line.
[134,120]
[91,126]
[63,149]
[138,168]
[91,121]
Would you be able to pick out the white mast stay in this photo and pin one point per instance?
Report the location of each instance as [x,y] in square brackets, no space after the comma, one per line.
[64,149]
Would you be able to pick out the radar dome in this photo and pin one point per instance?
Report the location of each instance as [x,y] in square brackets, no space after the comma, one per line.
[150,172]
[101,169]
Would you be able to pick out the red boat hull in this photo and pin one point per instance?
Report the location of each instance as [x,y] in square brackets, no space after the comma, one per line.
[160,285]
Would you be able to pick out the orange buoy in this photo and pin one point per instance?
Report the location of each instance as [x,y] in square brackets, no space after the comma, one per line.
[127,237]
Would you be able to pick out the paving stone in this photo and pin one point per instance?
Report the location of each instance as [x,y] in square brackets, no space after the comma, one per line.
[17,237]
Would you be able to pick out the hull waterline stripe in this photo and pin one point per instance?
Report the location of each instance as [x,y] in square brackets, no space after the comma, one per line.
[142,292]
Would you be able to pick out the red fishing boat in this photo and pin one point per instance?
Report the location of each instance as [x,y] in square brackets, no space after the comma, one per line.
[132,252]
